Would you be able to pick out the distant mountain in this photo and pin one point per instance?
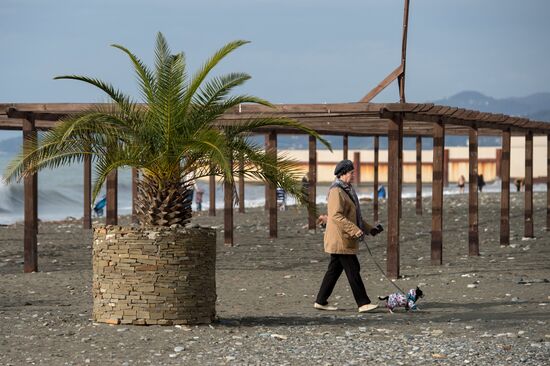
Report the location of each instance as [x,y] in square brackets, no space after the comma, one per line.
[529,106]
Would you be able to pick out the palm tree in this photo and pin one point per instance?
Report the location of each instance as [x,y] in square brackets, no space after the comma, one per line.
[173,138]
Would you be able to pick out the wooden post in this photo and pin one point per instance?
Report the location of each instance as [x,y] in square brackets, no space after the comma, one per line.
[505,190]
[228,212]
[548,183]
[241,186]
[345,147]
[437,194]
[135,180]
[312,177]
[529,232]
[272,148]
[267,191]
[30,183]
[473,230]
[498,163]
[401,167]
[446,168]
[393,197]
[375,185]
[112,198]
[401,79]
[87,177]
[418,175]
[357,168]
[212,194]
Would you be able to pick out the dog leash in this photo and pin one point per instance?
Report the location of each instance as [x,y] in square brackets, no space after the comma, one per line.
[380,268]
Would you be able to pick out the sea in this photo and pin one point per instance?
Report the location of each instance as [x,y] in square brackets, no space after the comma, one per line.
[60,193]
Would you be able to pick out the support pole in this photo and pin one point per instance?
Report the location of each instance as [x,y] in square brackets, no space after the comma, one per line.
[345,147]
[505,190]
[357,168]
[498,163]
[375,185]
[548,183]
[212,194]
[401,78]
[446,168]
[473,217]
[228,212]
[87,177]
[401,168]
[241,186]
[419,175]
[437,194]
[135,180]
[312,176]
[30,183]
[393,197]
[267,192]
[272,148]
[529,232]
[112,198]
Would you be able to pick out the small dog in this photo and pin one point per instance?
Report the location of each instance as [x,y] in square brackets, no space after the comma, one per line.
[398,299]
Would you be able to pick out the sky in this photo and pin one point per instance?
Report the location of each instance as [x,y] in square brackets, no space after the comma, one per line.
[301,51]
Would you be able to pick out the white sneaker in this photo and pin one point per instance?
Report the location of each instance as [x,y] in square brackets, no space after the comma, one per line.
[367,307]
[325,307]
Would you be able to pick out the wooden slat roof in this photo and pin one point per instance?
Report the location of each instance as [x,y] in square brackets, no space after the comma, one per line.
[359,119]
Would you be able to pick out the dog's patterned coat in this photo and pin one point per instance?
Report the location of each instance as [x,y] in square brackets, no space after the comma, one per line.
[399,299]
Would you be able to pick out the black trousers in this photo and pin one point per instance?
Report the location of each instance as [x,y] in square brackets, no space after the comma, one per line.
[339,263]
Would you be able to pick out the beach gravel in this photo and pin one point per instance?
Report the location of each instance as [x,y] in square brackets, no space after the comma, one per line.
[486,310]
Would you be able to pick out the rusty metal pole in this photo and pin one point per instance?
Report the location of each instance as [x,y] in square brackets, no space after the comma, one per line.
[30,183]
[418,175]
[529,229]
[505,190]
[437,193]
[375,185]
[87,177]
[473,217]
[393,197]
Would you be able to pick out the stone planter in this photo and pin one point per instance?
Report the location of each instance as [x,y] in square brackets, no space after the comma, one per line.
[154,275]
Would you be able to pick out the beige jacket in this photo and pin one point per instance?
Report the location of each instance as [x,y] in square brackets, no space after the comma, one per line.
[342,234]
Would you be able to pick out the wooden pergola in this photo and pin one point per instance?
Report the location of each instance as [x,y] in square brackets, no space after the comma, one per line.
[394,120]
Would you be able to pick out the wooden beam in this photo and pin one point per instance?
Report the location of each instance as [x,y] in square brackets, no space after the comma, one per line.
[505,189]
[87,199]
[419,175]
[212,194]
[112,198]
[312,176]
[30,187]
[393,198]
[228,212]
[267,192]
[498,162]
[383,84]
[529,229]
[401,167]
[473,219]
[376,146]
[446,167]
[241,186]
[272,148]
[437,194]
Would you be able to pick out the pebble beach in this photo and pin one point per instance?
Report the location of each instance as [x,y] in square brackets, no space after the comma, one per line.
[492,309]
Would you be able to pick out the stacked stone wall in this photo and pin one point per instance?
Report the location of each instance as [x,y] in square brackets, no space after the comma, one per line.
[154,275]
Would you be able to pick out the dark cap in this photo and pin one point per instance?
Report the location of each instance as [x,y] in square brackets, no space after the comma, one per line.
[343,167]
